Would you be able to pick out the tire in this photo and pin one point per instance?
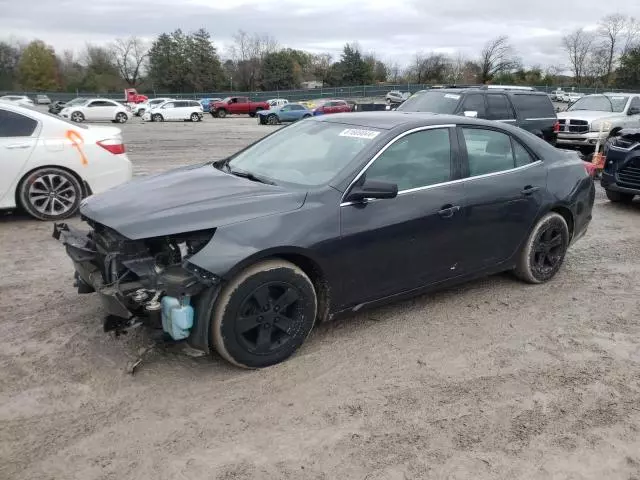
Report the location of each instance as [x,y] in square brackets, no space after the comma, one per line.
[50,194]
[221,113]
[121,118]
[141,112]
[77,117]
[214,114]
[306,115]
[252,114]
[545,249]
[388,101]
[194,117]
[157,118]
[253,295]
[619,197]
[273,119]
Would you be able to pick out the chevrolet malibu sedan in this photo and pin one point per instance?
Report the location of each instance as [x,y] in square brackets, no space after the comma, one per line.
[325,217]
[49,164]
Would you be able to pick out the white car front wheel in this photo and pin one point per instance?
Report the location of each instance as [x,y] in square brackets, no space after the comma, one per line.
[77,117]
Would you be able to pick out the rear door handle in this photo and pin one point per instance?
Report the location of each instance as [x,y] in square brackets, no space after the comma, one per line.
[18,145]
[528,190]
[448,211]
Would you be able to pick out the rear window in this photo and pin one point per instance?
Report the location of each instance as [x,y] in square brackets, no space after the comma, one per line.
[533,106]
[15,125]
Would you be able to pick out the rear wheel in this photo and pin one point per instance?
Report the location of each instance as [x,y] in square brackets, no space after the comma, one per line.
[264,314]
[157,118]
[545,249]
[50,194]
[619,197]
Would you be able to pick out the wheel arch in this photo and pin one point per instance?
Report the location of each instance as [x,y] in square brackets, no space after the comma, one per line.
[86,189]
[567,214]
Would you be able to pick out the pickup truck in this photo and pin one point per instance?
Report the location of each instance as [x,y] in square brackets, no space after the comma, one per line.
[580,124]
[131,95]
[237,106]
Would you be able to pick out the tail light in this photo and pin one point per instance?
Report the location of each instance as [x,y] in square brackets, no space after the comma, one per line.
[556,127]
[112,145]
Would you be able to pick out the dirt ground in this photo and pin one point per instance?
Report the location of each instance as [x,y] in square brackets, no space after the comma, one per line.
[491,380]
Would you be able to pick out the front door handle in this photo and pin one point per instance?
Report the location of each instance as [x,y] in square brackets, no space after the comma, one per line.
[529,189]
[18,145]
[448,211]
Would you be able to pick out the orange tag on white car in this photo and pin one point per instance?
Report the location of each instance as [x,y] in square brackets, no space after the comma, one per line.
[76,140]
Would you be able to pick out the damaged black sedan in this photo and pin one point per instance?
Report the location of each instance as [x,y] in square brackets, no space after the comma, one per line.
[324,217]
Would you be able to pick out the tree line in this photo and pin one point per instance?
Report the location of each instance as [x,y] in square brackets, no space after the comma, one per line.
[184,62]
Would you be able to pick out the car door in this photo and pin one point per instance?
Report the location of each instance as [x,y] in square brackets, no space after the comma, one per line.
[285,114]
[179,112]
[414,239]
[504,189]
[168,110]
[633,113]
[92,110]
[18,138]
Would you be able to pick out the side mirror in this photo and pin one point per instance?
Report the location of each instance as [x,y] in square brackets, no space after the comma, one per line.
[633,111]
[471,113]
[372,189]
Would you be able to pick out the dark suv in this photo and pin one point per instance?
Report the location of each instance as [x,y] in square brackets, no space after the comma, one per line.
[527,109]
[621,174]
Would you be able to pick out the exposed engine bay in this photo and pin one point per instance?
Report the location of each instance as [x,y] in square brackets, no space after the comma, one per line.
[139,281]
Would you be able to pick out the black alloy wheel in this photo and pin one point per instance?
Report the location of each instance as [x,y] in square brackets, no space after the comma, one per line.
[545,249]
[264,314]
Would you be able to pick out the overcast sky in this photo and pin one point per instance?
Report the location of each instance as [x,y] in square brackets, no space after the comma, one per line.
[392,32]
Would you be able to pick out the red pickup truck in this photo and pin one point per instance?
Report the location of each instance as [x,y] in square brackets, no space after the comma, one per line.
[236,105]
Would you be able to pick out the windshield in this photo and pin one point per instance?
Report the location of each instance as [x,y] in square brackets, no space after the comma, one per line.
[601,103]
[306,153]
[75,101]
[433,102]
[226,100]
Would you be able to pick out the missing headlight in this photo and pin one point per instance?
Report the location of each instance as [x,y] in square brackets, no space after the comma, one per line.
[174,249]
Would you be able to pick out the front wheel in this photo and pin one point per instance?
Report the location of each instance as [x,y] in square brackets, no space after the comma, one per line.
[157,118]
[264,314]
[545,249]
[221,113]
[195,117]
[619,197]
[50,194]
[77,117]
[121,118]
[272,119]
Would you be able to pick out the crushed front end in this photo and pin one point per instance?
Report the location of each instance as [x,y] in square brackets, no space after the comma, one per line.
[147,281]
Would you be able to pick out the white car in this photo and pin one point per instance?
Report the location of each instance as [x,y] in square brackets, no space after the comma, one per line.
[277,102]
[18,100]
[49,164]
[139,109]
[96,109]
[175,110]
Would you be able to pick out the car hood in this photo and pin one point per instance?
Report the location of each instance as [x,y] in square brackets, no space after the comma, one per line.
[186,199]
[588,115]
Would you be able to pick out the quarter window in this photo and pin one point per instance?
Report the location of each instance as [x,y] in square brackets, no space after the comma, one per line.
[522,156]
[418,160]
[15,125]
[488,151]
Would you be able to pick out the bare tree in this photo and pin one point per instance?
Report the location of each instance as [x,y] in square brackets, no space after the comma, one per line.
[130,55]
[496,57]
[578,44]
[631,35]
[393,69]
[247,53]
[457,68]
[610,29]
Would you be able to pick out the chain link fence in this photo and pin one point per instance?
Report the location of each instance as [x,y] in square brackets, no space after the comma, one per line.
[350,92]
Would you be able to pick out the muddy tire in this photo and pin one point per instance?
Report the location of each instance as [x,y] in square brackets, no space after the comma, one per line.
[50,194]
[545,249]
[618,197]
[264,314]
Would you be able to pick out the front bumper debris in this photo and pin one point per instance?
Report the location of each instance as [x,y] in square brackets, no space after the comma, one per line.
[130,284]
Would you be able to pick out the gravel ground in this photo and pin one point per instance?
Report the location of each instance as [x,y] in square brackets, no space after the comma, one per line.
[491,380]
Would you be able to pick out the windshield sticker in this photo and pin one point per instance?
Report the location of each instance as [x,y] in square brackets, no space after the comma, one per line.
[617,98]
[359,133]
[452,95]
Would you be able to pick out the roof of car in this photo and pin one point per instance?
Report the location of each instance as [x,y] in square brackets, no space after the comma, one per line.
[480,89]
[386,120]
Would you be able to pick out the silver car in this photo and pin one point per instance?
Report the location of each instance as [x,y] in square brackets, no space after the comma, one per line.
[396,96]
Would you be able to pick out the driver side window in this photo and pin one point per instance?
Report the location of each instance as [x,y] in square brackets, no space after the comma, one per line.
[635,105]
[418,160]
